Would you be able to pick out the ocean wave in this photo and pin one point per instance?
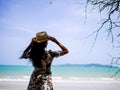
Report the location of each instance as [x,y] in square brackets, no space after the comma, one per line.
[68,79]
[17,78]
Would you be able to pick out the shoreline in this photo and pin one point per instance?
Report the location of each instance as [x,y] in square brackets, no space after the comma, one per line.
[59,85]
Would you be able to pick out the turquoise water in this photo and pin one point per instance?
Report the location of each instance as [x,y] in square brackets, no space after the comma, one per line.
[65,72]
[84,71]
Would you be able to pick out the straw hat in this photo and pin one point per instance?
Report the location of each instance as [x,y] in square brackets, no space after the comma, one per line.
[41,36]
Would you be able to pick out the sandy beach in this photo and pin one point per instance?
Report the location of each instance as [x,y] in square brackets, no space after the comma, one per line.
[64,78]
[83,85]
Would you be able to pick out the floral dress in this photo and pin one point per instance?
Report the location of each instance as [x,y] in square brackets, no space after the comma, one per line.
[41,78]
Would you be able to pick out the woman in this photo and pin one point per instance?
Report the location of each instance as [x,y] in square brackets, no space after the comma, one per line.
[41,60]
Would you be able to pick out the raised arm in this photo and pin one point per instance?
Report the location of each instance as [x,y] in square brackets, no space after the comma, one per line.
[64,49]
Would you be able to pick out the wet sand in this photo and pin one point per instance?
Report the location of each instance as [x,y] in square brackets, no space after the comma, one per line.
[87,85]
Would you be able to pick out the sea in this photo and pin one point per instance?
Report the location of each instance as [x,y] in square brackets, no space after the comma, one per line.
[64,73]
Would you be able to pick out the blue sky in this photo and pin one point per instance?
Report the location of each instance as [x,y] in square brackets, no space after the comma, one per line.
[20,20]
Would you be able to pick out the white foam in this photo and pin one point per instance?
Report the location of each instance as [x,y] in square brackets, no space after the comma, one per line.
[13,79]
[57,78]
[18,78]
[68,79]
[26,77]
[74,78]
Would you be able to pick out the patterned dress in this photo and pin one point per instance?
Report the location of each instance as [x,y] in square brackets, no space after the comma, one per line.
[41,78]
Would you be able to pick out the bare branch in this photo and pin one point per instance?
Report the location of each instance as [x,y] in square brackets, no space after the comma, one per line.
[116,73]
[110,23]
[111,6]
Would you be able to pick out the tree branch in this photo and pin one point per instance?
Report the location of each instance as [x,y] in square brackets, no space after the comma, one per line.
[112,10]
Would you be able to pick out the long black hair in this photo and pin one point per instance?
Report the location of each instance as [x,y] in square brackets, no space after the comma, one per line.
[37,52]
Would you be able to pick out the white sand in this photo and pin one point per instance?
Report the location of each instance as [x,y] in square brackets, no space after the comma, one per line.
[87,85]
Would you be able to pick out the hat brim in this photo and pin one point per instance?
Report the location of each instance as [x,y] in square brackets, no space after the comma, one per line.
[40,41]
